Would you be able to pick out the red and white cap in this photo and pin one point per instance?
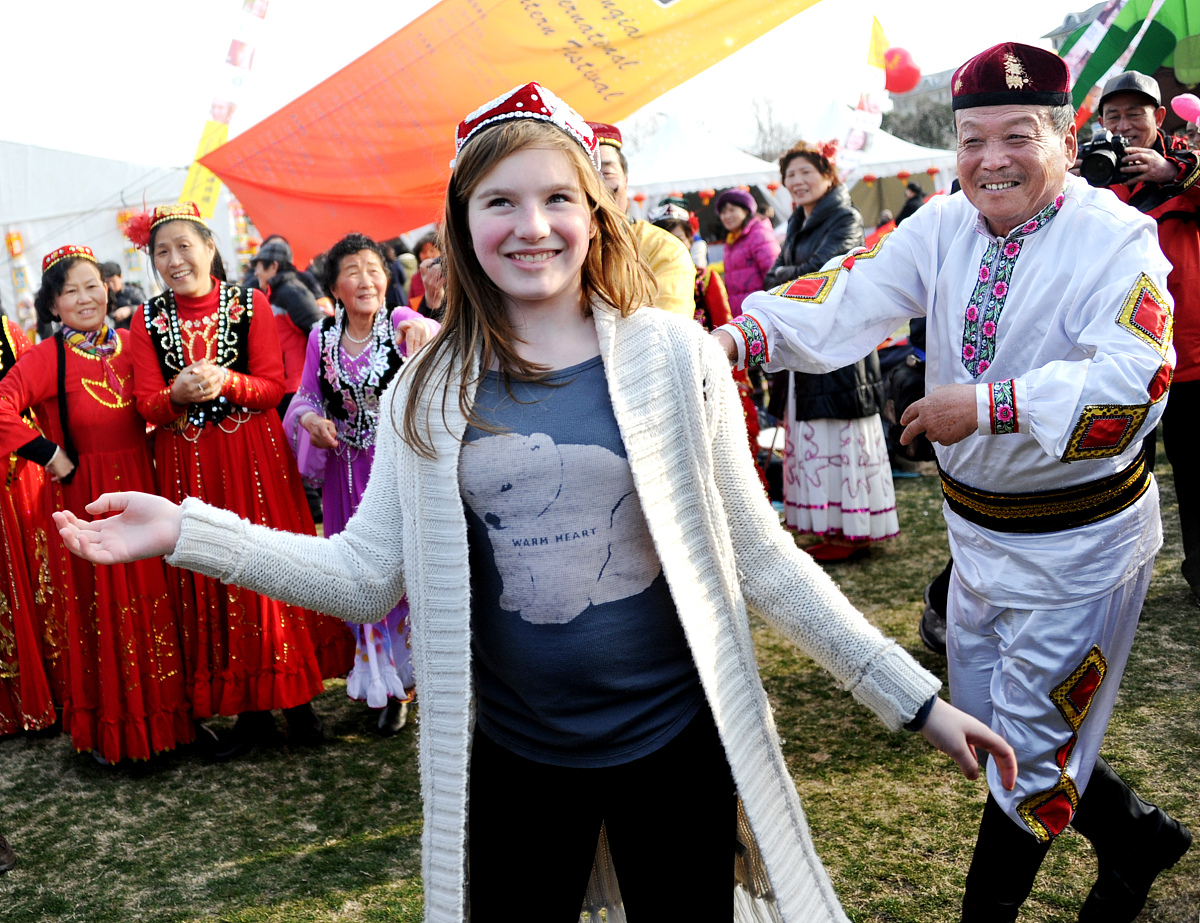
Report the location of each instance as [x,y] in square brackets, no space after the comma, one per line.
[531,101]
[62,253]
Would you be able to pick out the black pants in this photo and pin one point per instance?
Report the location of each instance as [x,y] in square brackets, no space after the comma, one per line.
[671,818]
[1181,440]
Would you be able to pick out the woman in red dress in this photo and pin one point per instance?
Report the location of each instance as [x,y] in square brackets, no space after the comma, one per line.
[209,373]
[32,632]
[127,697]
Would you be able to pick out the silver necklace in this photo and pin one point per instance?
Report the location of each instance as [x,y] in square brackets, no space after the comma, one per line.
[346,334]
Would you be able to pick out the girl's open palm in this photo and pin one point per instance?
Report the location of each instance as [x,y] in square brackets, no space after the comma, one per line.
[144,526]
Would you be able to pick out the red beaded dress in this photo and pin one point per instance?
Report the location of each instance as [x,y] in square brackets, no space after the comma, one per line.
[244,652]
[32,627]
[127,693]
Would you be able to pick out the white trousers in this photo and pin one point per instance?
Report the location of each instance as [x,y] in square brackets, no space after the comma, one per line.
[1046,681]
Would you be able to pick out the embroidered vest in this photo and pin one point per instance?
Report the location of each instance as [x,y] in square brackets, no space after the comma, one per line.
[235,309]
[335,389]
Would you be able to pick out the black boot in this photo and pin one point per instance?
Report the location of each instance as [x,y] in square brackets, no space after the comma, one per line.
[932,626]
[8,858]
[304,726]
[1006,861]
[1134,841]
[252,729]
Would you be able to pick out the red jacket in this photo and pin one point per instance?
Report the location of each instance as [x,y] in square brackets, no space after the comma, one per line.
[1177,211]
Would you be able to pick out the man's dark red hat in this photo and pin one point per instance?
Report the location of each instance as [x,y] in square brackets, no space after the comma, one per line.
[1012,74]
[606,134]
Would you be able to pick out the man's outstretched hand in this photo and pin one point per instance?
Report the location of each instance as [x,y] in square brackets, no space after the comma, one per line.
[144,526]
[946,416]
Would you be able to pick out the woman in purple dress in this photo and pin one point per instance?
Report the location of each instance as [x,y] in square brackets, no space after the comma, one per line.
[332,421]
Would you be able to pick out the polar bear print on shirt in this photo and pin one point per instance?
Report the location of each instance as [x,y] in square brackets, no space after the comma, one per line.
[565,524]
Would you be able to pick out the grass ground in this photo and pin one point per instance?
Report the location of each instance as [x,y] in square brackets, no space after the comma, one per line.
[334,834]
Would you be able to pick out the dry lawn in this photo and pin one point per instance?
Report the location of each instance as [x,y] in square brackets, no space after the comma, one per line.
[334,834]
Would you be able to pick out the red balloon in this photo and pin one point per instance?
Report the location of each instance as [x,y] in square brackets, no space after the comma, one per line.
[901,72]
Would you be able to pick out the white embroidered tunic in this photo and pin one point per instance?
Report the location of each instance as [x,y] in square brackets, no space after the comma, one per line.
[1064,329]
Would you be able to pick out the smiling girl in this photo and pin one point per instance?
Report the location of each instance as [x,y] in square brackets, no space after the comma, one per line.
[208,373]
[126,696]
[566,495]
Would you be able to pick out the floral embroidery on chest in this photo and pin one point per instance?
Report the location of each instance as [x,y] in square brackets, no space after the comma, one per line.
[351,389]
[982,318]
[209,337]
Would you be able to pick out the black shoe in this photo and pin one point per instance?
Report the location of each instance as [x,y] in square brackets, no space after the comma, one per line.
[252,729]
[393,718]
[932,627]
[1134,841]
[304,726]
[8,858]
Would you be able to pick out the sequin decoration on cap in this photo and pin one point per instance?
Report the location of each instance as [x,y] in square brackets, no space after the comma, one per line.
[1011,74]
[532,101]
[607,134]
[62,253]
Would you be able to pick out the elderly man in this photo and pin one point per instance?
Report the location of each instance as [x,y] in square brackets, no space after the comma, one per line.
[1162,182]
[1049,354]
[667,257]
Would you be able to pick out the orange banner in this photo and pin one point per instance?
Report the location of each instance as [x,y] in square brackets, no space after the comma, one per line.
[369,149]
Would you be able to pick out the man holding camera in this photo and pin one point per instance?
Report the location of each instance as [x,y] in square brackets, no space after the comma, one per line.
[1159,177]
[1048,339]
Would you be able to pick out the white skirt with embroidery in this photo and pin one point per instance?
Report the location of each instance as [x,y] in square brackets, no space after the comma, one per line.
[837,479]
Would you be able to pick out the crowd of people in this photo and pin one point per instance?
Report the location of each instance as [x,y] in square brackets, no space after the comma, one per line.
[541,504]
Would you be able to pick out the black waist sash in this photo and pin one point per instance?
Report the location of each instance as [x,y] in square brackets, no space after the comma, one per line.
[1049,510]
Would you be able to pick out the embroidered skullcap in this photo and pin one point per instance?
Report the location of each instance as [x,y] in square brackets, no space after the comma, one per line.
[186,211]
[607,134]
[531,101]
[1012,74]
[62,253]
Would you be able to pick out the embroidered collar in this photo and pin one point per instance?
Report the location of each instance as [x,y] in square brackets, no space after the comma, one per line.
[982,317]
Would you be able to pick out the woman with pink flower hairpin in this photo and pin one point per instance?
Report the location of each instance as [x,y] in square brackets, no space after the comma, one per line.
[837,480]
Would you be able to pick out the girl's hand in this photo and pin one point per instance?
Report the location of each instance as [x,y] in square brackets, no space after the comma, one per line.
[145,526]
[958,735]
[411,335]
[59,466]
[321,432]
[201,381]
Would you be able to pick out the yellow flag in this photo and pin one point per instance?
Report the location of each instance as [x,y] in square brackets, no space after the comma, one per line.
[201,186]
[879,44]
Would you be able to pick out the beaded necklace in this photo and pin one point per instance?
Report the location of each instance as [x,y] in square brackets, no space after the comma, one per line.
[209,411]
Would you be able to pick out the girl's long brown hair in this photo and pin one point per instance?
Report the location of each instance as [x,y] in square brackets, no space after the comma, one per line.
[475,319]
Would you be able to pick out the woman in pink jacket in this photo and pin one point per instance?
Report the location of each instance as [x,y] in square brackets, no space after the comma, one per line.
[750,248]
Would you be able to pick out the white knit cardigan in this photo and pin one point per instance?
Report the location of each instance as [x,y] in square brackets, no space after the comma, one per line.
[722,550]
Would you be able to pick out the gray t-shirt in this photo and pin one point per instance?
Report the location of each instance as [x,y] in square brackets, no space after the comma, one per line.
[579,656]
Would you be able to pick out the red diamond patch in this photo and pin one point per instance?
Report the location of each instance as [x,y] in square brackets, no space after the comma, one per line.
[1080,695]
[806,288]
[1150,316]
[1105,432]
[1161,382]
[1146,313]
[1063,753]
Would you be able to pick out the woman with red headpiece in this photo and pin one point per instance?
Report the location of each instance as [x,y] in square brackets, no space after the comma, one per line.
[126,694]
[208,372]
[32,617]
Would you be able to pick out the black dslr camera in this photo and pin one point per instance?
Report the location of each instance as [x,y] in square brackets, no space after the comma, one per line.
[1101,159]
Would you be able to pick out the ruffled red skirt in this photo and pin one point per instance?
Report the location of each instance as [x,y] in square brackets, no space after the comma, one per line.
[244,651]
[26,698]
[128,695]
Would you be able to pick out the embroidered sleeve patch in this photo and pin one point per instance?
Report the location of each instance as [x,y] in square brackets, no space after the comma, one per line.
[1161,383]
[1145,314]
[1003,399]
[873,252]
[813,288]
[754,339]
[1104,430]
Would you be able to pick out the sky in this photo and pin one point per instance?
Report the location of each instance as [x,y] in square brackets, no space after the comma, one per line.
[133,79]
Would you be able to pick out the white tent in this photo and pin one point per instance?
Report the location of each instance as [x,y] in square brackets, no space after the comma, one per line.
[51,198]
[688,158]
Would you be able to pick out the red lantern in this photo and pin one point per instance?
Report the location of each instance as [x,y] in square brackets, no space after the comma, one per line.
[903,175]
[773,186]
[933,171]
[901,72]
[639,197]
[869,178]
[675,195]
[706,195]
